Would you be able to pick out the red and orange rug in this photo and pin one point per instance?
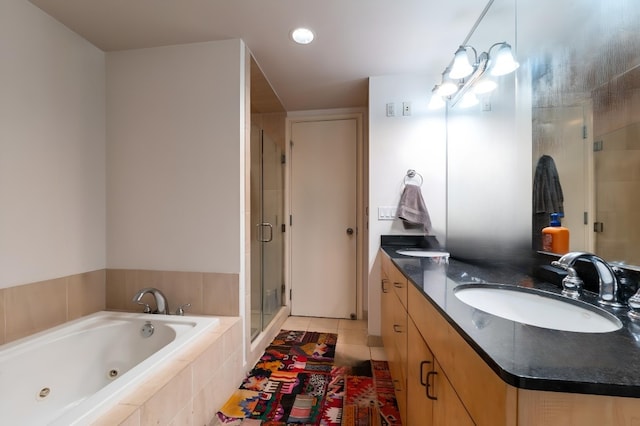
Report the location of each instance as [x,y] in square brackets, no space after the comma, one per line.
[295,382]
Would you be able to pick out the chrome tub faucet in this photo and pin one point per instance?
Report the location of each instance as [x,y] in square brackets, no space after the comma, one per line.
[162,306]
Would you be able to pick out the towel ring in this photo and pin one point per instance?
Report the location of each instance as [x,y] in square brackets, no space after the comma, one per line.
[412,174]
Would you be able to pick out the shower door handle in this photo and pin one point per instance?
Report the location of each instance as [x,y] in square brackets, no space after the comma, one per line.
[261,226]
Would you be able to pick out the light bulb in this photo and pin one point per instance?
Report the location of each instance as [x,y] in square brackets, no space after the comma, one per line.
[302,35]
[461,66]
[447,88]
[504,62]
[484,85]
[436,102]
[468,100]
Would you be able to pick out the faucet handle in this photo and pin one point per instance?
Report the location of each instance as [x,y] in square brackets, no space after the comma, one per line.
[182,308]
[634,305]
[572,283]
[147,308]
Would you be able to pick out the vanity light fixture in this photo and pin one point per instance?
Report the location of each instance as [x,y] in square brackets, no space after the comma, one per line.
[461,75]
[302,35]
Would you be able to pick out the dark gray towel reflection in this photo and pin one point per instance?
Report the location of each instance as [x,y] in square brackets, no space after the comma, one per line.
[547,197]
[412,210]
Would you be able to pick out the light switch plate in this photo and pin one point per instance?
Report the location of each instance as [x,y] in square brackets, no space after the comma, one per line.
[386,212]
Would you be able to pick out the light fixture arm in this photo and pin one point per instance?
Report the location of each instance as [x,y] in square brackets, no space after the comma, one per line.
[501,43]
[475,53]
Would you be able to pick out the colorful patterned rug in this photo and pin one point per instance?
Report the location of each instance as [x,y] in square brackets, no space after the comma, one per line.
[295,382]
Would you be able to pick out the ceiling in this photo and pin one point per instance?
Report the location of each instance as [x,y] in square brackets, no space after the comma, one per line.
[355,39]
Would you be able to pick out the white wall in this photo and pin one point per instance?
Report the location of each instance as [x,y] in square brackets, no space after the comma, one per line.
[175,157]
[52,159]
[397,144]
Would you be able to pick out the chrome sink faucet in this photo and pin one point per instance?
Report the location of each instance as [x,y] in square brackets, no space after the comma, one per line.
[610,290]
[162,307]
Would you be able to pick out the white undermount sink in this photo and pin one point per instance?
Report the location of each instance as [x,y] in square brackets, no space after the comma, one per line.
[538,308]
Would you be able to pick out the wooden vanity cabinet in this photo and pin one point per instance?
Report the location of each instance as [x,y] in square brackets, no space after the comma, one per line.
[429,358]
[431,400]
[487,398]
[420,347]
[394,328]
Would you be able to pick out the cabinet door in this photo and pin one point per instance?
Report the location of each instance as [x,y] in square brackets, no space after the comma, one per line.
[420,362]
[448,409]
[399,366]
[386,313]
[486,396]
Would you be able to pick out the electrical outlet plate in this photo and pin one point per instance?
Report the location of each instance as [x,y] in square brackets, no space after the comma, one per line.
[406,108]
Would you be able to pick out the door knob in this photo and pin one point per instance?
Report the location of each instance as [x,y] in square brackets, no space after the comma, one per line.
[349,231]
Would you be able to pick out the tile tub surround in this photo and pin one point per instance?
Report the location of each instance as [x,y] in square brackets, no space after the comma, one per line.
[191,387]
[209,293]
[187,390]
[30,308]
[524,356]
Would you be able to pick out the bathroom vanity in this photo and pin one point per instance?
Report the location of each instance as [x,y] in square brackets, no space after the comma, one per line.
[453,364]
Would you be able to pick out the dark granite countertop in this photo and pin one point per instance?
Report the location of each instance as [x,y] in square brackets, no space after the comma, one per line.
[526,356]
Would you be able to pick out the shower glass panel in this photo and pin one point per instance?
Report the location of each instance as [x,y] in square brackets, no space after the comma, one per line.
[267,240]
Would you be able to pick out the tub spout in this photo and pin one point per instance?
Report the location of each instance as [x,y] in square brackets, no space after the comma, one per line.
[162,307]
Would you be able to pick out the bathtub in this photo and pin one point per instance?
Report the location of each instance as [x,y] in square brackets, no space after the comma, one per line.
[72,373]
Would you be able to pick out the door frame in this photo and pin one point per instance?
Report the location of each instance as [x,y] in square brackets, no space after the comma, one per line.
[361,223]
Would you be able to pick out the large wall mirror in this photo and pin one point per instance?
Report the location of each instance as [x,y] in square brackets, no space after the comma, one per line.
[583,58]
[574,106]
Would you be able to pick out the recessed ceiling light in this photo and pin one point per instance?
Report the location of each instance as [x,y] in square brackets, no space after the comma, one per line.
[302,35]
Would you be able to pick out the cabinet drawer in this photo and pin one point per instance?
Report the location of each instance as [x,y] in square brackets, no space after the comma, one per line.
[488,399]
[399,284]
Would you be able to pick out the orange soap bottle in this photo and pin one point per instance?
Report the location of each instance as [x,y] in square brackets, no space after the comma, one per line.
[555,237]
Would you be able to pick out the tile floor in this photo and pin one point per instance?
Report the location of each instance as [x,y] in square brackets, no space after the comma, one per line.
[352,337]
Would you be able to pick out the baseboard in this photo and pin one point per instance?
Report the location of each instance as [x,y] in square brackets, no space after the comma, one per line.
[374,341]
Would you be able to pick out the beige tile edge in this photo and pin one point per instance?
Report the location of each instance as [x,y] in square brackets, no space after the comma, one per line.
[186,358]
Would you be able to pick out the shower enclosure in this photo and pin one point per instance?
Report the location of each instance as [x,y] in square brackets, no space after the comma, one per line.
[267,215]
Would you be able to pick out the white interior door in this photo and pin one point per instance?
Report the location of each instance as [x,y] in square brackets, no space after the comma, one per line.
[323,207]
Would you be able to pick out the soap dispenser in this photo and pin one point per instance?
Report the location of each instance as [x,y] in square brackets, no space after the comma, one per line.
[555,237]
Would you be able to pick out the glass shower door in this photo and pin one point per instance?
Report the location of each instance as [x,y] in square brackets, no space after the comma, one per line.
[267,242]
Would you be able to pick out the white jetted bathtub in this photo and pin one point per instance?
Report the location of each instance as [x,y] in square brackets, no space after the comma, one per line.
[72,373]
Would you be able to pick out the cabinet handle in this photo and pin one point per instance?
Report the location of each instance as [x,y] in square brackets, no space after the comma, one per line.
[423,382]
[384,289]
[397,386]
[397,328]
[430,374]
[397,284]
